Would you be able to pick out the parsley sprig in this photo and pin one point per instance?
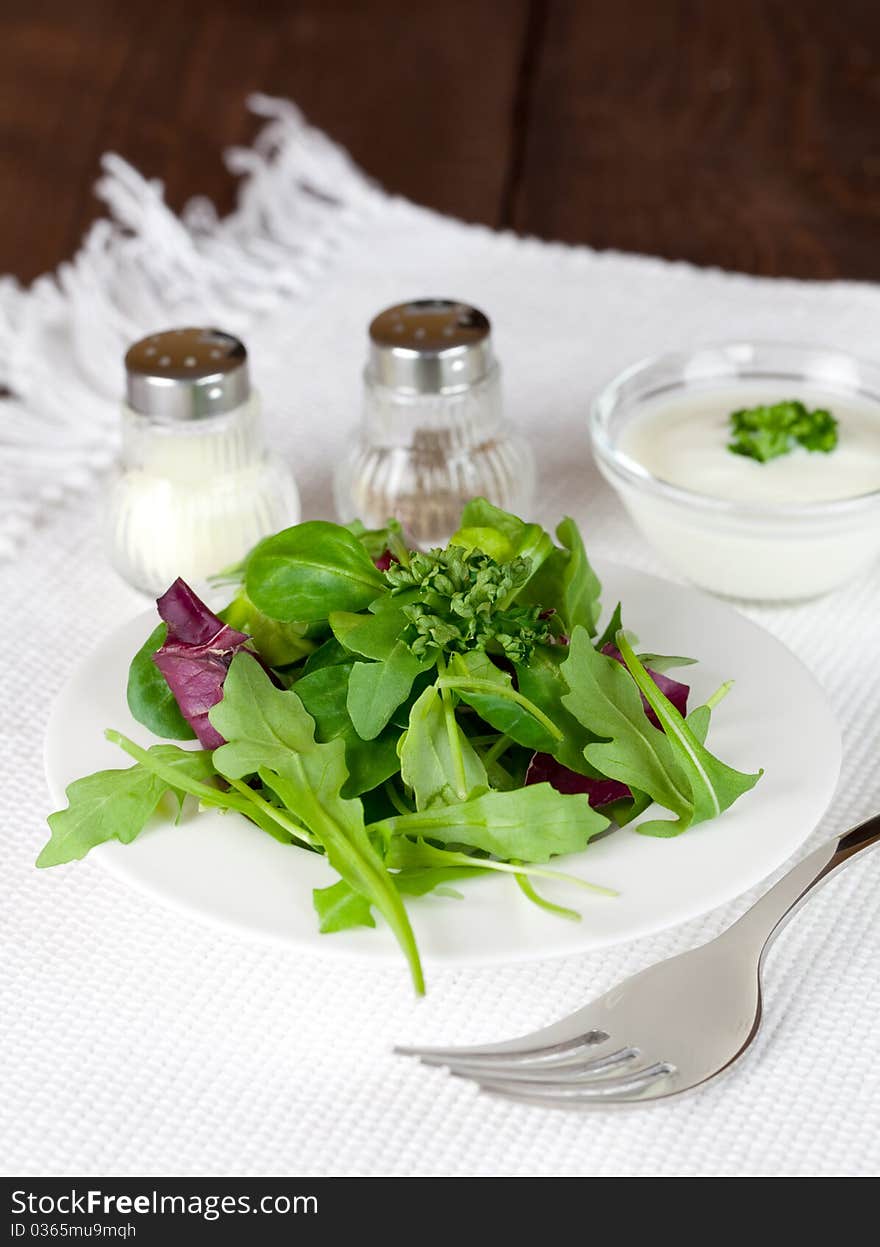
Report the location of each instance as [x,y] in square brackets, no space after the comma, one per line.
[767,432]
[465,602]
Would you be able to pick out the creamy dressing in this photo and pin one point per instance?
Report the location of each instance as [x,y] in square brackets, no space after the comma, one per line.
[682,439]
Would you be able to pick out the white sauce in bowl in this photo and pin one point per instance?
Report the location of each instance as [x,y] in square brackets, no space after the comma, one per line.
[682,438]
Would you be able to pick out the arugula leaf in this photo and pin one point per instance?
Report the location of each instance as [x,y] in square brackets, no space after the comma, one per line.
[698,722]
[238,796]
[714,785]
[339,908]
[415,854]
[437,761]
[270,733]
[531,825]
[419,880]
[542,681]
[561,911]
[369,762]
[303,573]
[117,805]
[661,663]
[150,700]
[604,697]
[492,695]
[567,583]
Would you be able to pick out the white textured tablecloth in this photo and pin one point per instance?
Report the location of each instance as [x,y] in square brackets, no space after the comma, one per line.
[135,1040]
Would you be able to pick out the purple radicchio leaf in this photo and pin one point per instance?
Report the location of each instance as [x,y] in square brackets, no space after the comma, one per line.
[196,655]
[384,560]
[673,689]
[544,768]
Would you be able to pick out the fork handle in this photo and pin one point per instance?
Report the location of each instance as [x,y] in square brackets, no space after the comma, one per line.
[770,913]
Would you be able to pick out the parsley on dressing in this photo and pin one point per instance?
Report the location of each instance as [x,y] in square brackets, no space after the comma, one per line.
[765,433]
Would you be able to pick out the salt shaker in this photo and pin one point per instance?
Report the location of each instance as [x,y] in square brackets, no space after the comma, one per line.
[197,488]
[433,433]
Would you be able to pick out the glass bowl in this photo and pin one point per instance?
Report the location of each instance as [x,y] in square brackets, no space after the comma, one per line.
[757,550]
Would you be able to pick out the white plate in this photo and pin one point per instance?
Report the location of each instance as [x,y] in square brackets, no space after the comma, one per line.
[223,869]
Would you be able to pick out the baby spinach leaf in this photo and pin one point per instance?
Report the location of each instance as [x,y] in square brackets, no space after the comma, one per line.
[530,825]
[305,572]
[374,635]
[370,763]
[339,908]
[150,700]
[611,629]
[329,654]
[323,694]
[270,733]
[437,761]
[521,540]
[117,805]
[605,699]
[714,785]
[376,689]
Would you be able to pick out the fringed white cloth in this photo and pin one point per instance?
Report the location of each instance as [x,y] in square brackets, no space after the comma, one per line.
[143,269]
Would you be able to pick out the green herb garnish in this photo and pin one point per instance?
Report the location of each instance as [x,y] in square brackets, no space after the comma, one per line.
[765,433]
[465,601]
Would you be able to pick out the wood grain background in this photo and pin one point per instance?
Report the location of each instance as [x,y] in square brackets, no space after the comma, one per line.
[741,134]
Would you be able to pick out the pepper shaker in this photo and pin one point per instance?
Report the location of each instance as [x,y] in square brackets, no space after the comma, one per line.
[433,434]
[197,487]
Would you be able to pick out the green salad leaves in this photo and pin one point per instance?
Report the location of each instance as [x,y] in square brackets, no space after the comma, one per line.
[416,718]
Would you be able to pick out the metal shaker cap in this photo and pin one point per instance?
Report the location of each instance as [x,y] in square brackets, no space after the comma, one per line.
[430,346]
[187,374]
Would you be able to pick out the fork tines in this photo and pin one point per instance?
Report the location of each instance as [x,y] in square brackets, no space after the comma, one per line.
[558,1075]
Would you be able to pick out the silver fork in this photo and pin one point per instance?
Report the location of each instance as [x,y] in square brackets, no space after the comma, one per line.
[662,1031]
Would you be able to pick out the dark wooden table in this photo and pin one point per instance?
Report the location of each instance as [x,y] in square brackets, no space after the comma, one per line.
[744,134]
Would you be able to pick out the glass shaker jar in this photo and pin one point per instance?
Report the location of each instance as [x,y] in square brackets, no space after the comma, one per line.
[433,433]
[197,488]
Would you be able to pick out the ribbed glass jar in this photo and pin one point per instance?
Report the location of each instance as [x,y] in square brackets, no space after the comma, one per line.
[420,456]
